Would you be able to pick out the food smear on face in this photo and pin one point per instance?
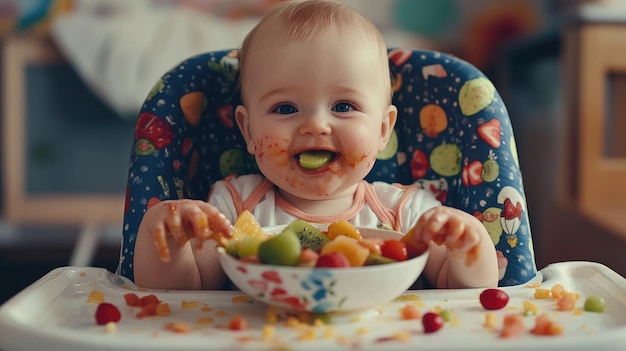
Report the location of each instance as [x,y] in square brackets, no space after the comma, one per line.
[276,149]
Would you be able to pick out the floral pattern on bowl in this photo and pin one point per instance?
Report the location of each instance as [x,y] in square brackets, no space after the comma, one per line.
[325,290]
[317,295]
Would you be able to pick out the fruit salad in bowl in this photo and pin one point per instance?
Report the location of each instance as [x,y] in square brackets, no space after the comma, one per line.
[316,268]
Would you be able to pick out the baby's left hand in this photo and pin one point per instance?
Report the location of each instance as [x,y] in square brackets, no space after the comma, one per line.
[459,231]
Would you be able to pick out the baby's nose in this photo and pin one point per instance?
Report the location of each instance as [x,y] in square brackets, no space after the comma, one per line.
[315,124]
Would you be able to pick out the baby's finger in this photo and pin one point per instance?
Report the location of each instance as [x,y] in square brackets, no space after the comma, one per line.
[217,222]
[160,240]
[435,227]
[174,224]
[200,227]
[456,234]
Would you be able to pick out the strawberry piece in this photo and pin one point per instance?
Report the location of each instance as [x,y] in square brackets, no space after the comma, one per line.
[106,313]
[490,133]
[225,114]
[399,56]
[332,260]
[419,164]
[154,129]
[510,211]
[471,174]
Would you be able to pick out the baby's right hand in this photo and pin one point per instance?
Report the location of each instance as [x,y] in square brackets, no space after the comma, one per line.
[177,221]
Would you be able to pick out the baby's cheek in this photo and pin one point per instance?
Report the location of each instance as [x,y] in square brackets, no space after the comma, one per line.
[272,150]
[355,160]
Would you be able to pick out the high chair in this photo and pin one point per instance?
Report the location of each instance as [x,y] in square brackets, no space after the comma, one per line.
[453,138]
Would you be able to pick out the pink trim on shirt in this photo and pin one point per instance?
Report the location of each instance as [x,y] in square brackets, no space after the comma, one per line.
[365,193]
[357,205]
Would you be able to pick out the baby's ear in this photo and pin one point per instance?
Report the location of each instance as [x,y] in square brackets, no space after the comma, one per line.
[241,116]
[389,121]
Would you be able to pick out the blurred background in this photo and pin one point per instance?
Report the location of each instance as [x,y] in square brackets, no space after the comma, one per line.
[75,72]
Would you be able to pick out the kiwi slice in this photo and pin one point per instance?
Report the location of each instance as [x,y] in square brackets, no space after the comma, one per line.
[309,236]
[375,259]
[315,159]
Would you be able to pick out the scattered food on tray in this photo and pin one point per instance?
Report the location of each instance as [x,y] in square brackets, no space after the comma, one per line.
[95,296]
[493,299]
[594,303]
[432,322]
[106,313]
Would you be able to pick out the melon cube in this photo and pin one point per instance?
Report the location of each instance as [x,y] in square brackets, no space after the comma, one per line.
[349,247]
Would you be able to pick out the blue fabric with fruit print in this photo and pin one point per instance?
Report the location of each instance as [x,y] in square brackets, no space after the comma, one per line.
[453,137]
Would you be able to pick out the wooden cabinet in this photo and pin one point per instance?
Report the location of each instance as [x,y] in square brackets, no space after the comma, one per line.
[595,103]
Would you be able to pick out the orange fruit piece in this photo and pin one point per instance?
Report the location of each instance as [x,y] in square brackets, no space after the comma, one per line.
[246,224]
[343,227]
[349,247]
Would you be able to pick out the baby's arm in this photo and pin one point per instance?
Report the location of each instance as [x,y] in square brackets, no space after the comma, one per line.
[164,255]
[462,254]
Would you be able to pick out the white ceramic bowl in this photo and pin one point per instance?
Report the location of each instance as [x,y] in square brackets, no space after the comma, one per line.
[321,290]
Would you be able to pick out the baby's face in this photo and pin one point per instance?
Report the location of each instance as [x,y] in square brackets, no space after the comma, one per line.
[327,94]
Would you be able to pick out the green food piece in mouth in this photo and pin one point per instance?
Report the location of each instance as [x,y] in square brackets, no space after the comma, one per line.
[315,159]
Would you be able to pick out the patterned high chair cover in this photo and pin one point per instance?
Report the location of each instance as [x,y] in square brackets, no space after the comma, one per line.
[453,137]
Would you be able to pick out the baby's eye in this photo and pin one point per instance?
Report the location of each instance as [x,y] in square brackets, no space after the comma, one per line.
[343,107]
[285,109]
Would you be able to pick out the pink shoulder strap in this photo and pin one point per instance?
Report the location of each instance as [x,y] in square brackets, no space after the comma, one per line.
[388,216]
[257,194]
[385,215]
[408,190]
[252,200]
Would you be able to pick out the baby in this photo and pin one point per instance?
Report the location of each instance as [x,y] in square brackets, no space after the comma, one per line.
[316,109]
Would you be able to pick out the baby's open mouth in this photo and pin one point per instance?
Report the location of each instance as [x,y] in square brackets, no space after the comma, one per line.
[315,159]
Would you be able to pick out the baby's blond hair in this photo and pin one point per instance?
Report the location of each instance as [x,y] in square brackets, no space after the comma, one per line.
[303,19]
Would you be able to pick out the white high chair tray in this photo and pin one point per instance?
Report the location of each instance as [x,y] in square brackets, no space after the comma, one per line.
[53,314]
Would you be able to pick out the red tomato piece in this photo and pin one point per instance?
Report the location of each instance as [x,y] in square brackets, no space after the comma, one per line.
[432,322]
[493,299]
[132,299]
[238,323]
[149,300]
[106,313]
[394,249]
